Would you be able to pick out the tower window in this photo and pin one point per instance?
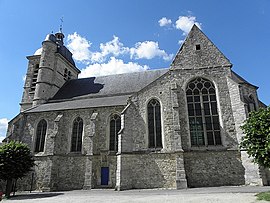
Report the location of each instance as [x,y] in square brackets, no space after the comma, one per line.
[198,47]
[34,78]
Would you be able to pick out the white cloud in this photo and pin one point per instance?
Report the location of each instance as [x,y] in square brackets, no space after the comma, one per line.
[148,50]
[114,66]
[113,47]
[3,128]
[164,22]
[79,46]
[24,78]
[185,23]
[104,62]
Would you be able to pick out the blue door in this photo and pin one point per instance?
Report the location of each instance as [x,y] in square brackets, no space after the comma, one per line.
[104,175]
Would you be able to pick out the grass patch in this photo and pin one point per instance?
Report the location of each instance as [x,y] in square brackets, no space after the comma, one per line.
[263,196]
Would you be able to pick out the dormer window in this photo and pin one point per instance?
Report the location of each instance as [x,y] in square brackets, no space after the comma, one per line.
[67,74]
[197,47]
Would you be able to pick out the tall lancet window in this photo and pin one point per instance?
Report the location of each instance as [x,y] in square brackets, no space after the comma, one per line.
[76,139]
[154,124]
[115,126]
[203,113]
[40,136]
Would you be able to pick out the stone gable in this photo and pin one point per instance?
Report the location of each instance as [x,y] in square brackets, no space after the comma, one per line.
[198,51]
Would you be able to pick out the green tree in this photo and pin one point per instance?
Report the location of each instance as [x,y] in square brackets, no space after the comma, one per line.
[15,162]
[257,136]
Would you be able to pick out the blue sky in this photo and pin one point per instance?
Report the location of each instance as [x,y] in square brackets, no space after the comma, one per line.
[121,36]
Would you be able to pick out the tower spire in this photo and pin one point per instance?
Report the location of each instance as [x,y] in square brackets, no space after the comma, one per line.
[59,35]
[61,24]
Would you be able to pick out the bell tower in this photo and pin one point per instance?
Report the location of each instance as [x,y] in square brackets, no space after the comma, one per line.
[48,69]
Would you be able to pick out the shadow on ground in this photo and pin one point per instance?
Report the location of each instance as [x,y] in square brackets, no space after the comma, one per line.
[34,196]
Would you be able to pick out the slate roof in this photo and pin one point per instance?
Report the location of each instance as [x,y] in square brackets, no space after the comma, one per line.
[66,53]
[237,78]
[61,48]
[82,103]
[111,90]
[107,85]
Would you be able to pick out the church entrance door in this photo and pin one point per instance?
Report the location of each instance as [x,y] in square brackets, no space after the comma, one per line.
[104,175]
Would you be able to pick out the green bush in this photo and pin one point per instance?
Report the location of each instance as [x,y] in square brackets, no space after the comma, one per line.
[257,136]
[15,162]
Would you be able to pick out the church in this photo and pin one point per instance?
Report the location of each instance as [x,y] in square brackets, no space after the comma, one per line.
[168,128]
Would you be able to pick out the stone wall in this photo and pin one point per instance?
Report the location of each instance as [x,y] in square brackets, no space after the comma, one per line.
[39,177]
[56,167]
[68,172]
[237,92]
[215,168]
[101,138]
[169,89]
[160,90]
[55,173]
[154,170]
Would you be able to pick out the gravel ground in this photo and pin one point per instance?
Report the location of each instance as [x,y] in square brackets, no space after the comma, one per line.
[241,194]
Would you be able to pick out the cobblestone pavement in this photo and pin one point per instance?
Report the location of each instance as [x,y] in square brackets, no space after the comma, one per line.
[241,194]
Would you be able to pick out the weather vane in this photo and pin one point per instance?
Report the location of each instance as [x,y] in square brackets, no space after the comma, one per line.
[61,24]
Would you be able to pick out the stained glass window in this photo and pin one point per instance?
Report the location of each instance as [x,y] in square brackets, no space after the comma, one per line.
[203,113]
[115,126]
[154,124]
[40,136]
[76,139]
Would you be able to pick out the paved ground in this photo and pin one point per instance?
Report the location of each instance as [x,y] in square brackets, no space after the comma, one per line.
[242,194]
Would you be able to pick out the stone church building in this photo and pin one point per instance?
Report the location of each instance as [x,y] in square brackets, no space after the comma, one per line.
[169,128]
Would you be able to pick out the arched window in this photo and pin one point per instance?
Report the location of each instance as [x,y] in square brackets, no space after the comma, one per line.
[40,135]
[154,124]
[115,126]
[76,139]
[202,113]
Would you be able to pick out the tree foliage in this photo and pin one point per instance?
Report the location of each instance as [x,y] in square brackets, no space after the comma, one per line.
[15,160]
[257,136]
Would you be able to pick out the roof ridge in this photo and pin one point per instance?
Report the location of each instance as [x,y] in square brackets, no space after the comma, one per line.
[128,73]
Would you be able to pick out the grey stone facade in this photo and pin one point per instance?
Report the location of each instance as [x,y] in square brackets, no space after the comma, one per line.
[178,164]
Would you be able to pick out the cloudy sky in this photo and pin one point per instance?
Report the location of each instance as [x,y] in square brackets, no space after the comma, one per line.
[110,37]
